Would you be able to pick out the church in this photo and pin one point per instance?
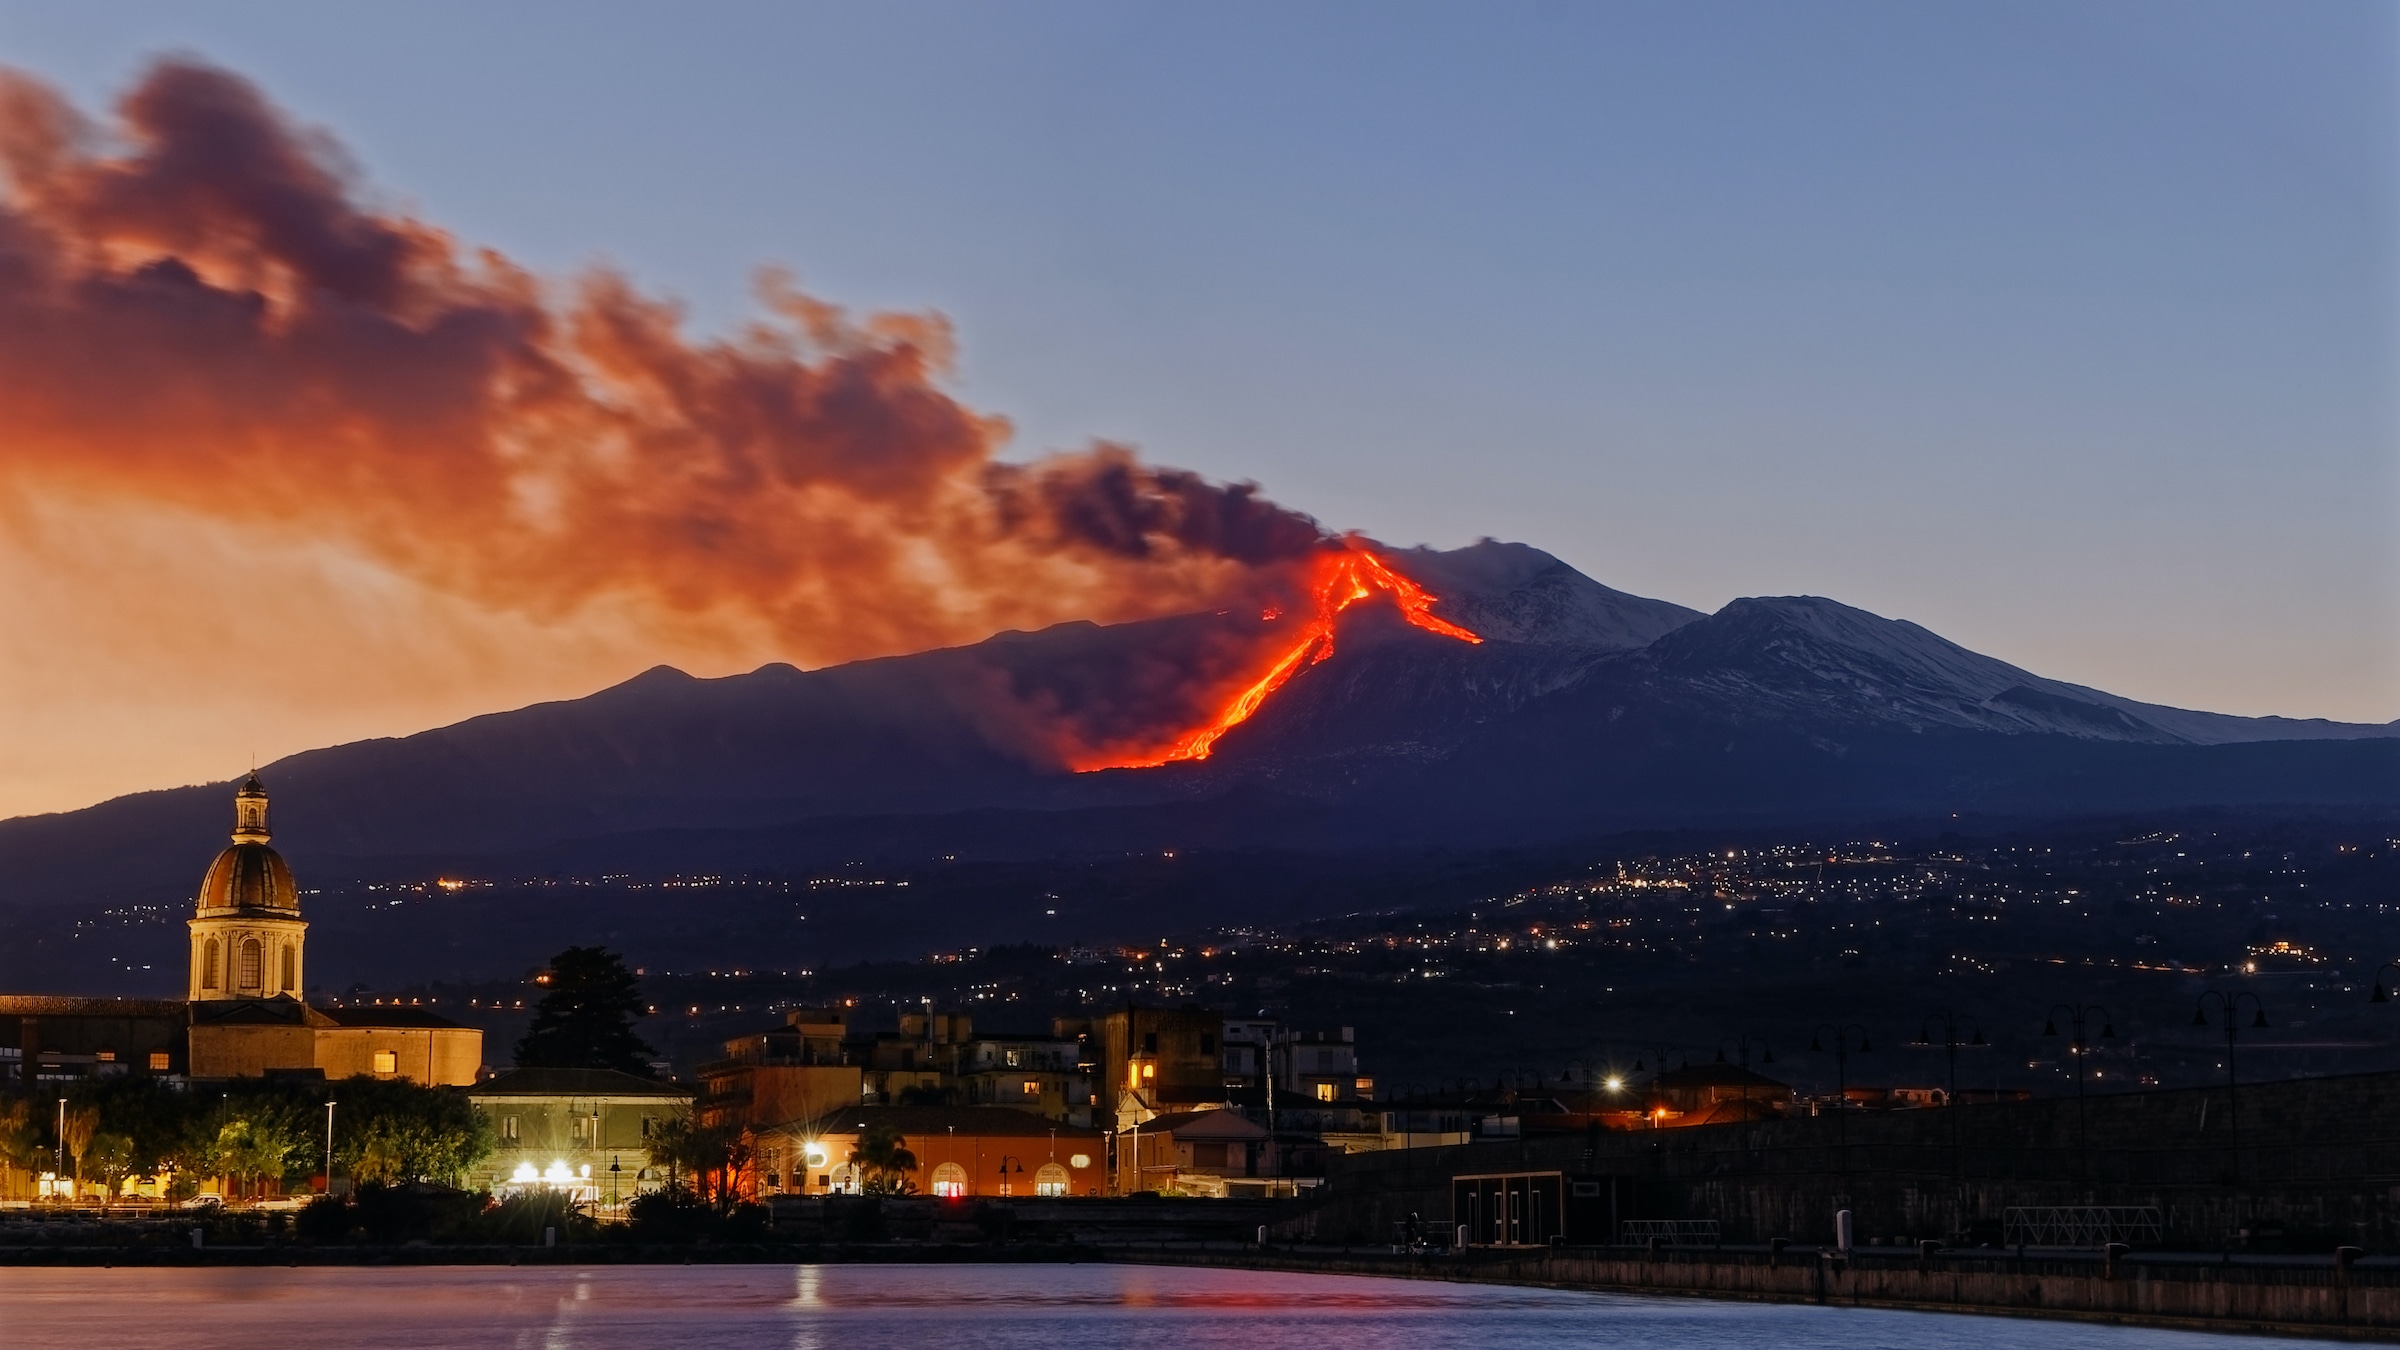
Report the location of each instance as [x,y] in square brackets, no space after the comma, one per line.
[242,1014]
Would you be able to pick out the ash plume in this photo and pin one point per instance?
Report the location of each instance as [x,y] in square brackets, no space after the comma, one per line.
[202,310]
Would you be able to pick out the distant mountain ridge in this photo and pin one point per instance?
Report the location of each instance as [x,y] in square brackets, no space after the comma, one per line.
[1584,709]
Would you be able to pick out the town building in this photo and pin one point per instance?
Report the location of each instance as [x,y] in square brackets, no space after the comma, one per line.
[1042,1075]
[796,1071]
[1215,1152]
[1155,1060]
[958,1151]
[587,1132]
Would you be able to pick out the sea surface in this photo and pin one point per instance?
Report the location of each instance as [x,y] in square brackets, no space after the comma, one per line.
[995,1307]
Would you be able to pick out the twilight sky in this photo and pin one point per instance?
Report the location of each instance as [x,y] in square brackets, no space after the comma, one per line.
[2066,331]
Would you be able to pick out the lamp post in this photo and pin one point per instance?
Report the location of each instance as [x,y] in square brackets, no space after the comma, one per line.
[2080,1046]
[2228,1006]
[613,1170]
[1741,1050]
[1950,1044]
[2380,996]
[1841,1081]
[329,1105]
[59,1168]
[1005,1169]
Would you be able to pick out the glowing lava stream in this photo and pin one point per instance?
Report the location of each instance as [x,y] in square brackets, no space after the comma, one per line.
[1343,579]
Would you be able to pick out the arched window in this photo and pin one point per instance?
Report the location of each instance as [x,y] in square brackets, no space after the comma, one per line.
[253,958]
[290,983]
[950,1180]
[1051,1180]
[210,970]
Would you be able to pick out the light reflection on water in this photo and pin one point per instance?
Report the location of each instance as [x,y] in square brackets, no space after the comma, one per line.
[983,1307]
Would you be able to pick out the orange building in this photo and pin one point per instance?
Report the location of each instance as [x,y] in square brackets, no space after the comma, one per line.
[956,1151]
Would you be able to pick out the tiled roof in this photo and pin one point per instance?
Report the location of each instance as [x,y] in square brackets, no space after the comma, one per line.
[989,1122]
[1219,1124]
[413,1018]
[574,1083]
[59,1005]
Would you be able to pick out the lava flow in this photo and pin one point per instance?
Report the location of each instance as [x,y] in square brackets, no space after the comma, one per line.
[1342,579]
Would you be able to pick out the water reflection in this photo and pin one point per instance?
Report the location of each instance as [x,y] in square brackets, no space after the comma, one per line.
[992,1307]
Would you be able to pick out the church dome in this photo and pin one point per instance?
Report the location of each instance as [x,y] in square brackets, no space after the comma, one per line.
[248,874]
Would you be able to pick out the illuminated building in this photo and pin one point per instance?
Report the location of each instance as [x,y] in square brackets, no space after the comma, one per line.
[774,1077]
[957,1152]
[586,1132]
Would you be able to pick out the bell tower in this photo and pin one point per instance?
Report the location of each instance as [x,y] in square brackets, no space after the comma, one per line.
[247,934]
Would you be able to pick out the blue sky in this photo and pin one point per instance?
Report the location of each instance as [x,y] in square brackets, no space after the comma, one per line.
[2065,330]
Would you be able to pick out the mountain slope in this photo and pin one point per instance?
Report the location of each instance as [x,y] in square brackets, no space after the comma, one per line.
[1583,708]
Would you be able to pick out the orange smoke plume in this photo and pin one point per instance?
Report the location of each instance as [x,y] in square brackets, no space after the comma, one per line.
[1341,579]
[200,314]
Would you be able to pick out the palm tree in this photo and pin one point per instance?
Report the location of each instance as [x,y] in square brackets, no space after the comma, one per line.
[78,1125]
[883,1161]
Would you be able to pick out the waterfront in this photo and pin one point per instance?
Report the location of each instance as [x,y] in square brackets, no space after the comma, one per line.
[989,1306]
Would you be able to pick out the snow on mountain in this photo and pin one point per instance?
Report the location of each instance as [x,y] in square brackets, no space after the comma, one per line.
[1517,593]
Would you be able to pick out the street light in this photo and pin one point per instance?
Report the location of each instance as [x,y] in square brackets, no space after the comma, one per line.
[2379,996]
[1005,1169]
[2229,1006]
[1841,1080]
[329,1105]
[1741,1051]
[2080,1047]
[1950,1044]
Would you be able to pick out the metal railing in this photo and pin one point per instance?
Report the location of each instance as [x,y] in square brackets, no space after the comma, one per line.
[2081,1225]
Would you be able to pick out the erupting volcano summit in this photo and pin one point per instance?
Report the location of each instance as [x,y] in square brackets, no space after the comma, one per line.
[1342,579]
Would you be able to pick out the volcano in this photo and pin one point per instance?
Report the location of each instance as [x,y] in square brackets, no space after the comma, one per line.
[1486,694]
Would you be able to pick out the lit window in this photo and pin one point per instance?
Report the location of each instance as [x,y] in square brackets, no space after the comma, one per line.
[387,1061]
[1324,1092]
[1032,1088]
[950,1181]
[160,1062]
[1149,1071]
[1051,1180]
[508,1128]
[105,1056]
[1081,1160]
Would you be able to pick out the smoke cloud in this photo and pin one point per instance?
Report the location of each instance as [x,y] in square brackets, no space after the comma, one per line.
[203,312]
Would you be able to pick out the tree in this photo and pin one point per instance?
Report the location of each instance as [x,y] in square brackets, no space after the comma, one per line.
[585,1021]
[394,1132]
[20,1139]
[256,1133]
[884,1164]
[112,1158]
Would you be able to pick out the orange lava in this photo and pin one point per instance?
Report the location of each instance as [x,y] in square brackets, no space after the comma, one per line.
[1343,579]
